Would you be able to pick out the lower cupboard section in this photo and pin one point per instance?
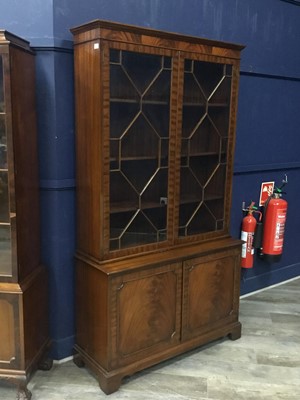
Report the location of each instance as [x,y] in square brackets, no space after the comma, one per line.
[127,321]
[24,339]
[9,333]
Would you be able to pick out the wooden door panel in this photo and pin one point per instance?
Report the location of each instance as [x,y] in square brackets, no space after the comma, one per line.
[208,298]
[147,312]
[9,336]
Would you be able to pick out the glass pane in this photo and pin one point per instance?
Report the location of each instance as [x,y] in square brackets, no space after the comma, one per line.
[1,86]
[141,68]
[5,250]
[139,147]
[208,75]
[206,105]
[4,199]
[3,143]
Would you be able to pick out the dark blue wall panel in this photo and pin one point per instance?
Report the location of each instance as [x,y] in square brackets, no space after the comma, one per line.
[31,19]
[58,247]
[55,106]
[268,122]
[268,139]
[270,28]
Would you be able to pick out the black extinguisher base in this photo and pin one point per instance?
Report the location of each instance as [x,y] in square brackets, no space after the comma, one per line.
[258,235]
[271,258]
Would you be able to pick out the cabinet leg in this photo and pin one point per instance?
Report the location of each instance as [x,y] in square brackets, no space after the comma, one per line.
[77,359]
[110,384]
[45,364]
[236,332]
[23,392]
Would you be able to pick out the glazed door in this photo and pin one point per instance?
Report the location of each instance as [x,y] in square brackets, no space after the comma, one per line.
[141,139]
[5,217]
[204,158]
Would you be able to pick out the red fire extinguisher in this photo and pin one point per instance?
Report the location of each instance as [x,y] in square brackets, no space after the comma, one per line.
[274,226]
[247,234]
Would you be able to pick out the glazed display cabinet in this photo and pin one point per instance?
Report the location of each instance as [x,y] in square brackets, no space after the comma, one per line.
[157,271]
[23,281]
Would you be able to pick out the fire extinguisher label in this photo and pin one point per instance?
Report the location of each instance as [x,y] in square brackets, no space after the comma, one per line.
[279,230]
[244,236]
[247,237]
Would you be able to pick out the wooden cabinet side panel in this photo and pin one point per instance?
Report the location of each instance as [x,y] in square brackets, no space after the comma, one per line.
[231,139]
[88,148]
[210,294]
[35,310]
[92,312]
[24,133]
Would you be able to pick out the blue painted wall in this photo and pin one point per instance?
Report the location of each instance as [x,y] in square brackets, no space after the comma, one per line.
[30,19]
[268,140]
[55,108]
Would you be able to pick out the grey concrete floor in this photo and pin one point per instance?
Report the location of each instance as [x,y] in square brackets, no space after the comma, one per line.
[264,364]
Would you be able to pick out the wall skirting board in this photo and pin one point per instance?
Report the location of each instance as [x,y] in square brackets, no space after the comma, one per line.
[268,279]
[244,296]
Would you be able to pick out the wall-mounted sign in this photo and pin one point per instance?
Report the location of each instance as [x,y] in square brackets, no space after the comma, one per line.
[265,191]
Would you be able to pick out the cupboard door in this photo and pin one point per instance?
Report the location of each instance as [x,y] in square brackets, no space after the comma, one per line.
[210,293]
[140,97]
[146,313]
[10,340]
[206,102]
